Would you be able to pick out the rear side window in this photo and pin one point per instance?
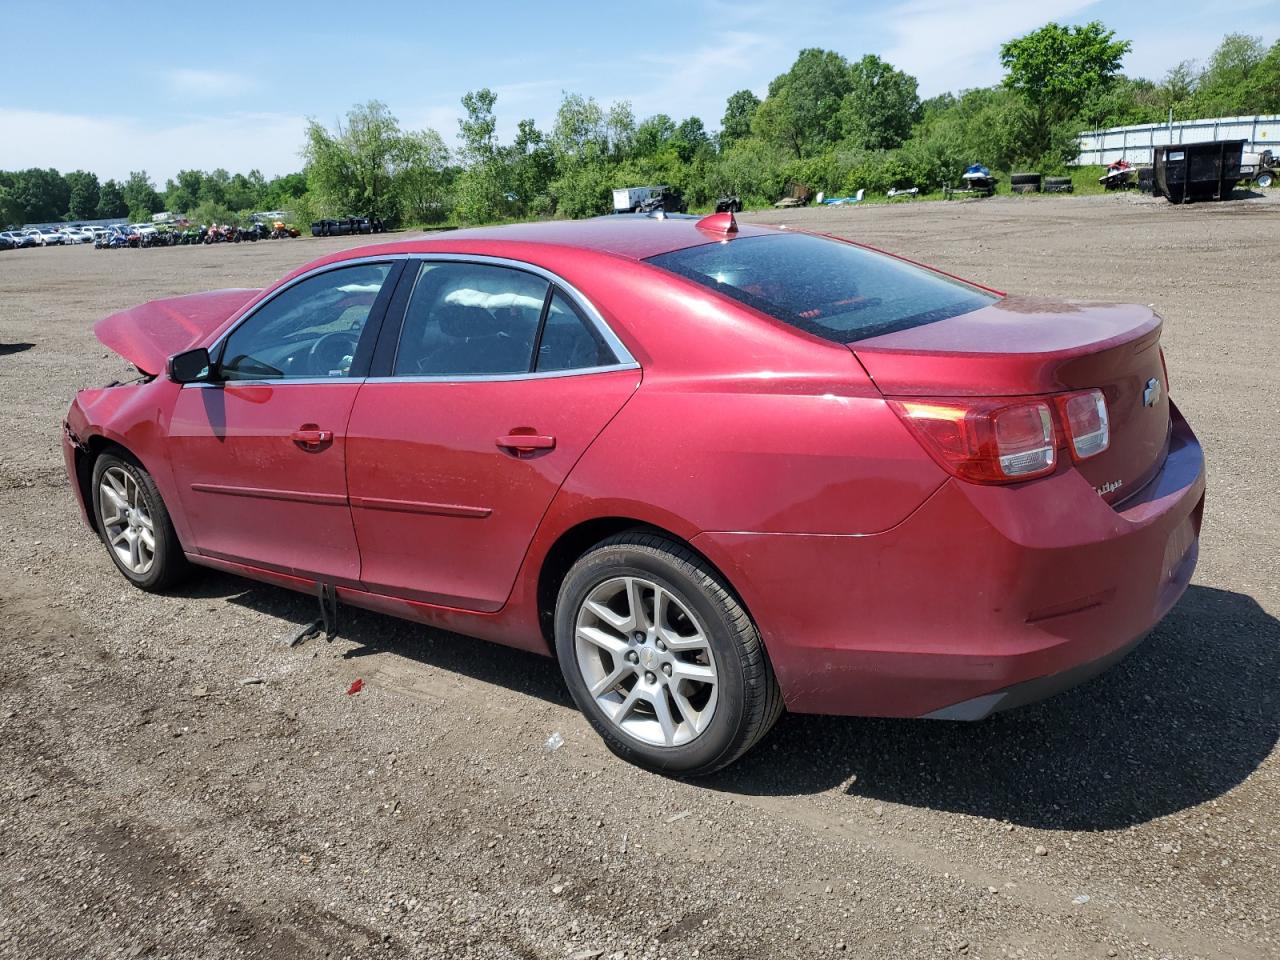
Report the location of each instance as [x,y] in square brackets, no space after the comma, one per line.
[568,341]
[833,290]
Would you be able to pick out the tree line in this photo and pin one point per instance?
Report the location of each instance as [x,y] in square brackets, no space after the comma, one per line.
[828,122]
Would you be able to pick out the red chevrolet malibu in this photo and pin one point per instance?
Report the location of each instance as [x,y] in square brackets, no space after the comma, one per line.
[713,470]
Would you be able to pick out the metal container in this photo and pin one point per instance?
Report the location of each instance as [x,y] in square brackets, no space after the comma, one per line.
[1197,171]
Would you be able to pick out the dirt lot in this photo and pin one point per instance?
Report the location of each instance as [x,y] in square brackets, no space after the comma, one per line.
[153,804]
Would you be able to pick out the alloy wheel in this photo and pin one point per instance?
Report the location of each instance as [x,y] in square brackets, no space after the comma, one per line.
[646,661]
[126,520]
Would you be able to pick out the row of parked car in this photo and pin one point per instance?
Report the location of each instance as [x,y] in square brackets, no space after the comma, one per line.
[146,235]
[49,237]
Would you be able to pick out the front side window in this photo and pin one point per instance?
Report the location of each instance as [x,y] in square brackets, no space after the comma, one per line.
[310,330]
[837,291]
[470,319]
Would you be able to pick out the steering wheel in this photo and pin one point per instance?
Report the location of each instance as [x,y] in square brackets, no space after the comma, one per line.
[332,352]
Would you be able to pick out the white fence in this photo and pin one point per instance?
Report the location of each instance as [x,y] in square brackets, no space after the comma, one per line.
[1134,143]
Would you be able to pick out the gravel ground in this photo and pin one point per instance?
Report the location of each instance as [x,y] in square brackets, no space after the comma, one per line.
[175,782]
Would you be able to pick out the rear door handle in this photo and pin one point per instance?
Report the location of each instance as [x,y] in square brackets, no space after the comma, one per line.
[312,439]
[526,442]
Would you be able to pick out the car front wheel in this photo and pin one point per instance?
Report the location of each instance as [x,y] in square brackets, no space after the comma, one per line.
[135,525]
[661,656]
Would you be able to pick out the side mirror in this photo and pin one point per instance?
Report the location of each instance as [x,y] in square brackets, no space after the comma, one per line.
[190,366]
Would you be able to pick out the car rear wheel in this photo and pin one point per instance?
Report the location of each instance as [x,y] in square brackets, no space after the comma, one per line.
[662,658]
[135,525]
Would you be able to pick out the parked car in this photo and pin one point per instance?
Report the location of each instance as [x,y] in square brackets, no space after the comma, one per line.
[71,236]
[46,236]
[20,239]
[5,242]
[712,469]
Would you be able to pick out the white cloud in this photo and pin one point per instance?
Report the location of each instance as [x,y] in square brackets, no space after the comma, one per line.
[699,81]
[208,84]
[950,45]
[111,146]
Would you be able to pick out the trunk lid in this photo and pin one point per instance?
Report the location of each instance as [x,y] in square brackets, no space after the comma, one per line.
[149,334]
[1021,346]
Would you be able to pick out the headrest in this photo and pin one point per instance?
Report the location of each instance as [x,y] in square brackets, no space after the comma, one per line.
[461,321]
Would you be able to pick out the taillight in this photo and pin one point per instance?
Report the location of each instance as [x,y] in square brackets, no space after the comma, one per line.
[999,440]
[1088,427]
[990,441]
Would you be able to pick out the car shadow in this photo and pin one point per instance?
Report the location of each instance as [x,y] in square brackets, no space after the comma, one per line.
[375,633]
[1184,719]
[8,348]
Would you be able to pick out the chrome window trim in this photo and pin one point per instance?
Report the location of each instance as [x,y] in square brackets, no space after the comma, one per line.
[502,377]
[276,382]
[257,305]
[625,359]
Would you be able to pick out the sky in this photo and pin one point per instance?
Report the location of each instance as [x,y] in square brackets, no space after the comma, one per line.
[162,87]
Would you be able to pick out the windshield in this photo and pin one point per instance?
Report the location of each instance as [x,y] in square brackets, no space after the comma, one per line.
[837,291]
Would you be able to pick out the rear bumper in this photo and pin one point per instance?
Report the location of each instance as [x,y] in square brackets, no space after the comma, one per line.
[983,599]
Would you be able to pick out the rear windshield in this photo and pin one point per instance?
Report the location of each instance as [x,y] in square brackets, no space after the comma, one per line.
[834,290]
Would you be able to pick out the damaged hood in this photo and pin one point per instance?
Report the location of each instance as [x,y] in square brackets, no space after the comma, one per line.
[149,334]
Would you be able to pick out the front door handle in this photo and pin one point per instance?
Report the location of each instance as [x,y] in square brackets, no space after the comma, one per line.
[310,438]
[526,442]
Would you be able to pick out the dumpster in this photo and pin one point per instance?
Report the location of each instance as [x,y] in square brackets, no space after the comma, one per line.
[1185,172]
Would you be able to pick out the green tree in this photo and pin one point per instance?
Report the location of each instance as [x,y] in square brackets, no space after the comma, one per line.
[140,196]
[532,162]
[620,129]
[353,168]
[84,192]
[1055,69]
[40,195]
[111,202]
[182,193]
[802,110]
[690,138]
[1226,88]
[244,191]
[881,107]
[735,125]
[653,135]
[1177,87]
[1262,88]
[10,209]
[209,212]
[481,192]
[584,171]
[424,181]
[280,190]
[579,130]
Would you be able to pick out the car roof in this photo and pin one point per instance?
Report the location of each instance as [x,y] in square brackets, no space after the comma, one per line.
[633,236]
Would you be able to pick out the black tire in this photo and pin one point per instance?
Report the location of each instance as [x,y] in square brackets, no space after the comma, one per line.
[169,565]
[1265,179]
[1057,181]
[1025,178]
[749,700]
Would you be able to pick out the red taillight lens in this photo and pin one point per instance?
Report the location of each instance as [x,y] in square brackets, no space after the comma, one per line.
[1088,426]
[990,441]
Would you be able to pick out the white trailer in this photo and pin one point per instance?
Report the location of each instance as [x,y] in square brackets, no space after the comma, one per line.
[1135,143]
[628,199]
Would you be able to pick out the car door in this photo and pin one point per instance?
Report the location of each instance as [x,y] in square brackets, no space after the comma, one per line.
[259,452]
[480,403]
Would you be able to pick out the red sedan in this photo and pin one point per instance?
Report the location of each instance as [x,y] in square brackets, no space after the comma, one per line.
[713,470]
